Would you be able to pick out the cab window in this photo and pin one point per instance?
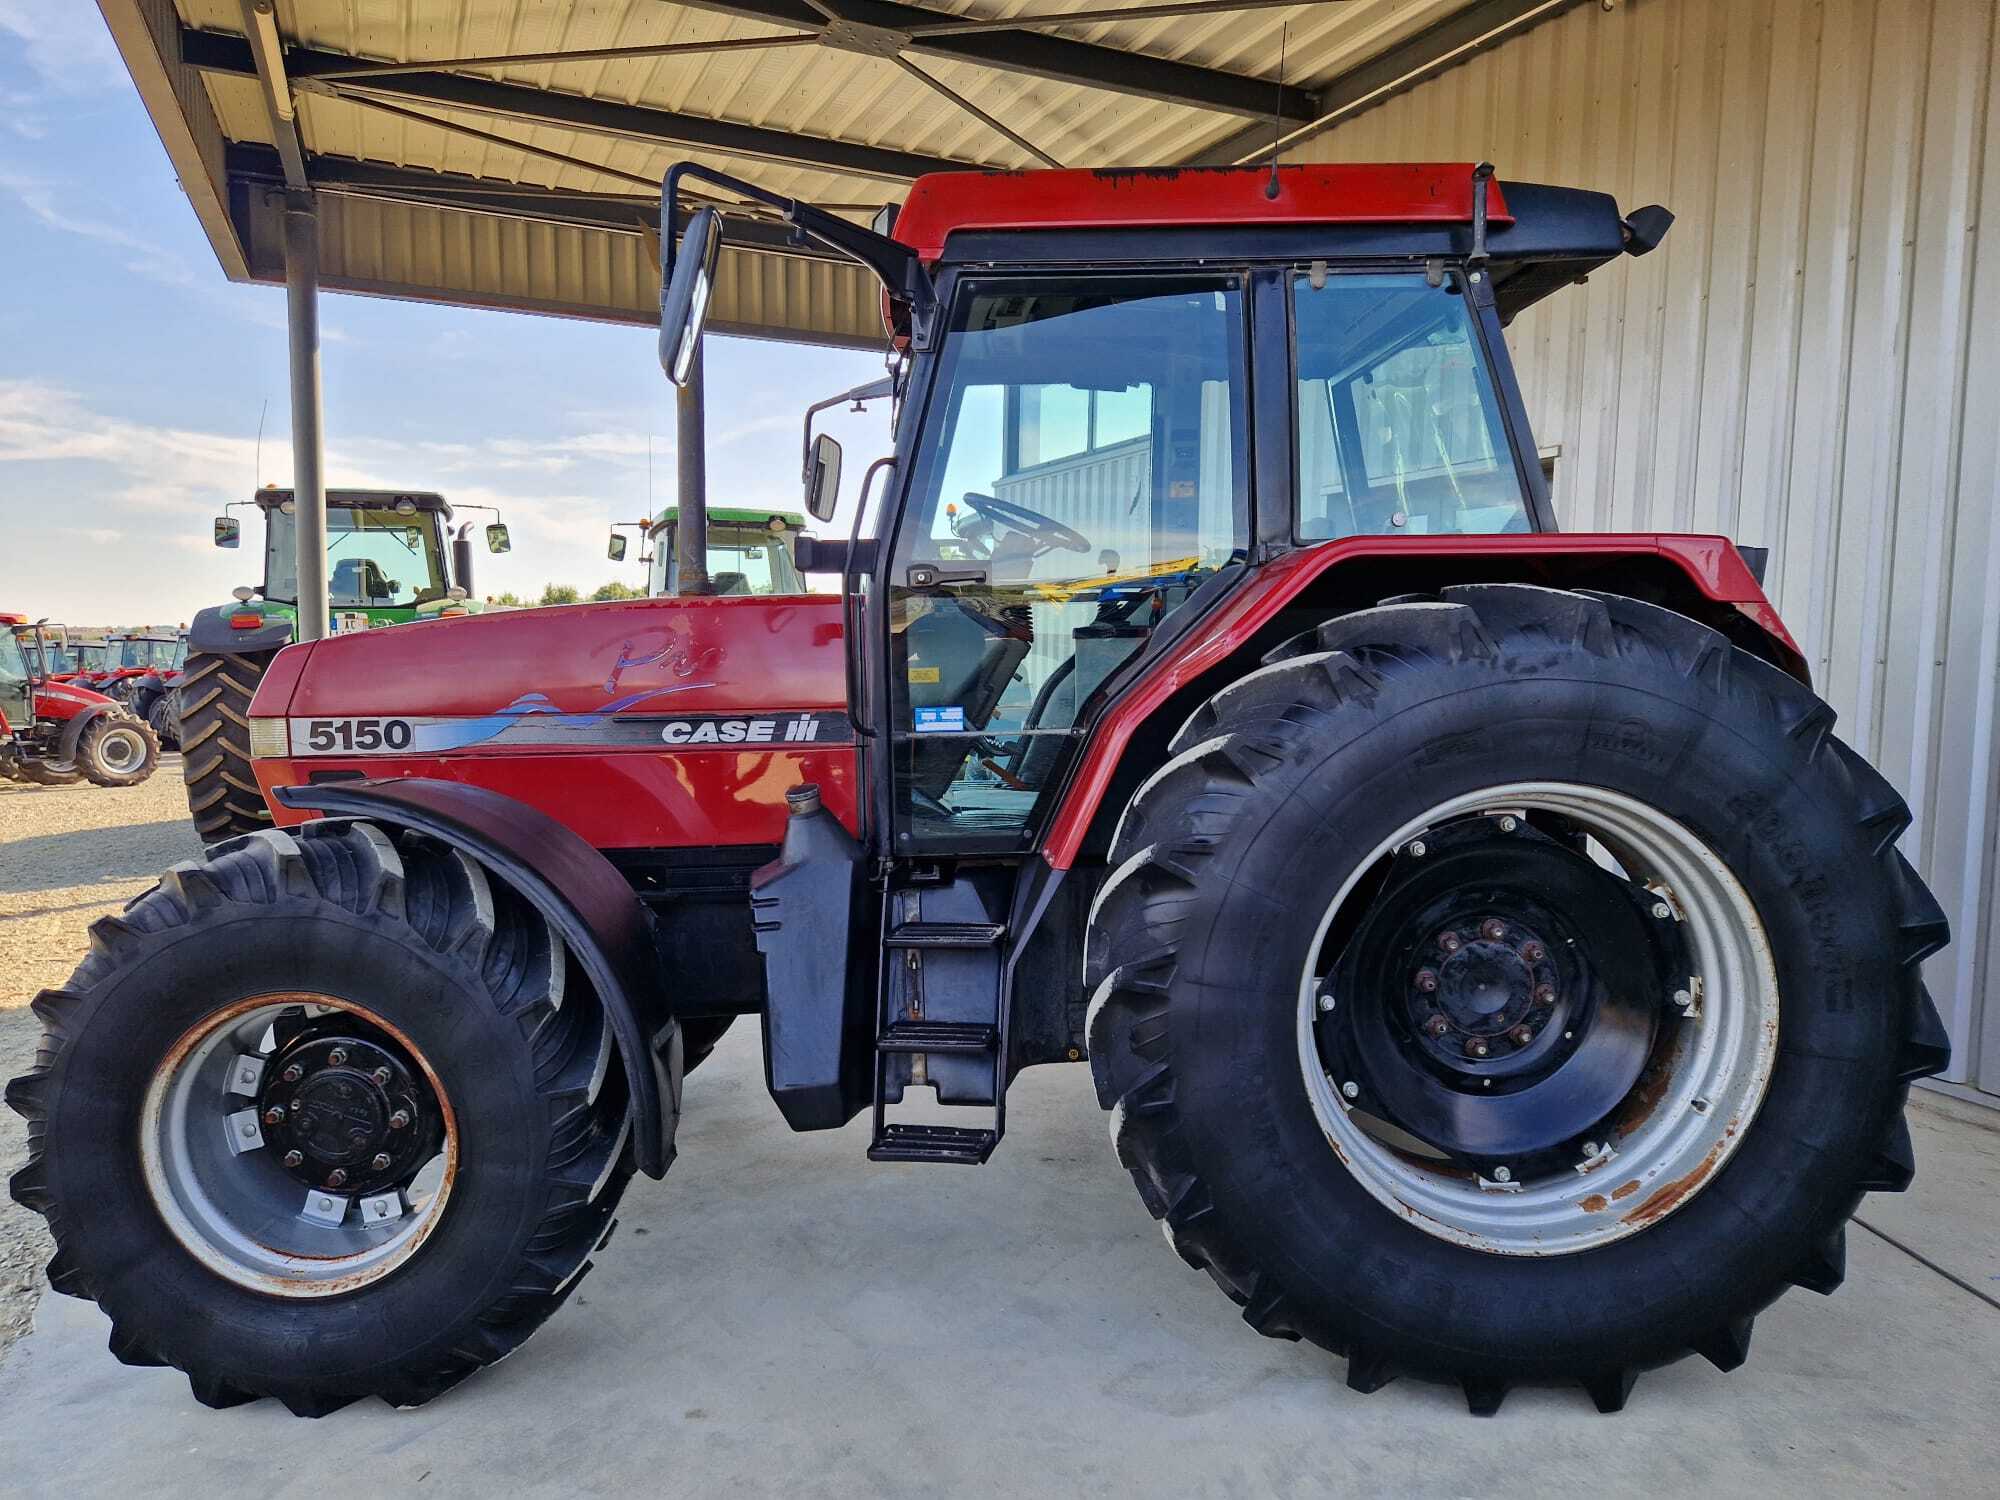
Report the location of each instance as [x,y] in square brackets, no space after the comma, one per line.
[1399,427]
[1086,475]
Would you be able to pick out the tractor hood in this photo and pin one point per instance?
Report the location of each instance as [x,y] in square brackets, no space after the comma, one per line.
[569,676]
[65,700]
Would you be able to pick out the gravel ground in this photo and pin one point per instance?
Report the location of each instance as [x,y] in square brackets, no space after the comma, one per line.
[68,855]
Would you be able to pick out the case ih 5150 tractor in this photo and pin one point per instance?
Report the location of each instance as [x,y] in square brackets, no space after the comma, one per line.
[1494,967]
[55,733]
[386,564]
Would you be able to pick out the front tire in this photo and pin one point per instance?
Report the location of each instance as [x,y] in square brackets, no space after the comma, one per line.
[215,1006]
[223,797]
[165,720]
[1250,875]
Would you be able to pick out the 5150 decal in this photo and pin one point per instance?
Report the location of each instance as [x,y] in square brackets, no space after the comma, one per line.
[355,736]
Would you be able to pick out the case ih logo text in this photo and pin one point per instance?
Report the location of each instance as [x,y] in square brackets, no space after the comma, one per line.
[786,729]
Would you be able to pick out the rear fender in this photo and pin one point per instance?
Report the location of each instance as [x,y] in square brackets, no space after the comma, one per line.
[576,888]
[1703,577]
[73,727]
[211,631]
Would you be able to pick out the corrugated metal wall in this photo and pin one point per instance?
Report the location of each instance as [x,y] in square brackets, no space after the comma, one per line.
[1811,362]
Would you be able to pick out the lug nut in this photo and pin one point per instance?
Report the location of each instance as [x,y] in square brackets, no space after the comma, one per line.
[1509,823]
[381,1076]
[1437,1025]
[336,1178]
[1451,942]
[1326,1002]
[1492,929]
[1417,849]
[293,1074]
[1545,994]
[297,1105]
[1350,1090]
[294,1159]
[1427,981]
[1503,1174]
[274,1116]
[1520,1036]
[337,1057]
[399,1119]
[1532,951]
[1662,910]
[1477,1047]
[381,1161]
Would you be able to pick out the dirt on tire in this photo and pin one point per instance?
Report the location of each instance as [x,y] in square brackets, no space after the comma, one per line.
[68,855]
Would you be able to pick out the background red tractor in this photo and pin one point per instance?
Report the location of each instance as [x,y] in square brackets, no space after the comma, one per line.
[54,732]
[1494,967]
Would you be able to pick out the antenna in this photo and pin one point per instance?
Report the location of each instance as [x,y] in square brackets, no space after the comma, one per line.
[257,463]
[1278,111]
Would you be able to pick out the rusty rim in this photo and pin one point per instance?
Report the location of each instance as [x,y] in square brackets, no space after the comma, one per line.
[1665,1139]
[229,1172]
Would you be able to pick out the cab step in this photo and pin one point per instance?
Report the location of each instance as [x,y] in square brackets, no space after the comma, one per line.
[939,1036]
[945,935]
[933,1143]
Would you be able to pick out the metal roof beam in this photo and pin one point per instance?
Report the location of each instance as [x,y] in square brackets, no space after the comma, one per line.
[619,214]
[217,52]
[1088,64]
[1430,51]
[260,25]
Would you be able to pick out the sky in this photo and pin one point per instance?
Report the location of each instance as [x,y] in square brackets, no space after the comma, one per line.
[134,379]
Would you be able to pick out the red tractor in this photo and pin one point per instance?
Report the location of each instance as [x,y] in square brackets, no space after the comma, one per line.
[1494,967]
[53,733]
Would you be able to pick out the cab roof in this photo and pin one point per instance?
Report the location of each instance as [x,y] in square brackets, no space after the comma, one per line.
[270,495]
[1180,197]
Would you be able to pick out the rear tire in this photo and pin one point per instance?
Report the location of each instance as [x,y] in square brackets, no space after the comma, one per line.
[166,723]
[117,749]
[405,933]
[1205,943]
[222,792]
[41,773]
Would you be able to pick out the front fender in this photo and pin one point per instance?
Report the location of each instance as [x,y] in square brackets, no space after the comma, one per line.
[210,631]
[73,727]
[576,888]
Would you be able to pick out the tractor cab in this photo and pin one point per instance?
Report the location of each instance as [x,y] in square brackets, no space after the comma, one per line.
[391,556]
[749,552]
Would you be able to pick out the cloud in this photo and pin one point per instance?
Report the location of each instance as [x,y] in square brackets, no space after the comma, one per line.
[65,44]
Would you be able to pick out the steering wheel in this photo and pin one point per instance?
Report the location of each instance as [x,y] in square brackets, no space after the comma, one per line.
[1045,531]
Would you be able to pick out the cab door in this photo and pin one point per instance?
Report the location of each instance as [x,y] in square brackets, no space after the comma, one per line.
[1080,472]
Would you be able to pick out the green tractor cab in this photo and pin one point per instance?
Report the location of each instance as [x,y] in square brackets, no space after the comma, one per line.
[749,552]
[392,557]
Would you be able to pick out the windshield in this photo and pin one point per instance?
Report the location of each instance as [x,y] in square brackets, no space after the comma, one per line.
[14,698]
[740,561]
[374,558]
[1081,473]
[1399,427]
[150,654]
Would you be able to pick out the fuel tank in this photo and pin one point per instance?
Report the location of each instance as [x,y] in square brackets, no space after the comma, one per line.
[640,724]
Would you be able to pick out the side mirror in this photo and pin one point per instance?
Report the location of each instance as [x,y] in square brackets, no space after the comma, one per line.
[616,551]
[684,293]
[823,483]
[228,531]
[497,540]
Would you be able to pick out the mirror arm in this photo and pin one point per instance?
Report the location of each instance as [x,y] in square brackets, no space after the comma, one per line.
[873,390]
[895,264]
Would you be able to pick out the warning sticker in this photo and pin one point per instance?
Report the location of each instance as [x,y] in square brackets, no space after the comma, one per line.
[940,720]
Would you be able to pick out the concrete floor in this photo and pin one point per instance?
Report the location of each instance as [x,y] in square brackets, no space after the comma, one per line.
[781,1317]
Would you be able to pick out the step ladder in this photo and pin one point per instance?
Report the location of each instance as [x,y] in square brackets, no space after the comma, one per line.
[906,942]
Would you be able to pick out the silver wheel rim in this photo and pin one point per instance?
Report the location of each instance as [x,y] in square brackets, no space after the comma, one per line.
[121,749]
[228,1199]
[1672,1143]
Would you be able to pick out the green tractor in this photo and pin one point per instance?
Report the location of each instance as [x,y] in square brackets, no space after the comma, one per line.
[749,551]
[391,557]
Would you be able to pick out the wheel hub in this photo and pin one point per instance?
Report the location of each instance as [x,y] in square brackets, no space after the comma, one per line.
[1500,995]
[347,1113]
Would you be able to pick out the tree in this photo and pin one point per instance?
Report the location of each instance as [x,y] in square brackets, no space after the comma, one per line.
[511,599]
[616,590]
[558,593]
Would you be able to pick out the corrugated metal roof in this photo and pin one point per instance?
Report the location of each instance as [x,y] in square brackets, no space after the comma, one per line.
[435,169]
